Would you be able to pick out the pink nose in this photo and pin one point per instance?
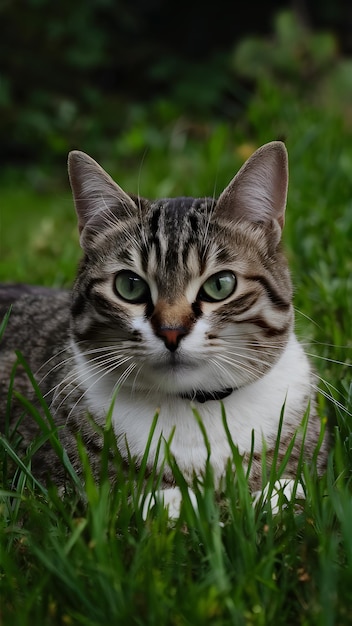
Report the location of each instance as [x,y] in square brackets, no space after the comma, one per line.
[171,336]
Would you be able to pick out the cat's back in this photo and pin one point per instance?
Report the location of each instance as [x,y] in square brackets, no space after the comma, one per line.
[38,327]
[34,312]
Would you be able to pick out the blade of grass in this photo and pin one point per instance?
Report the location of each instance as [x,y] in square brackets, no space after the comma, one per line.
[4,322]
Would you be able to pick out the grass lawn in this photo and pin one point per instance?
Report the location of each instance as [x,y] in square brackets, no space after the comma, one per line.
[62,562]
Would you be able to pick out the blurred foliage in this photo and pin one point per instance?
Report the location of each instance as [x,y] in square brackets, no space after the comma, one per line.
[111,79]
[301,62]
[293,53]
[70,71]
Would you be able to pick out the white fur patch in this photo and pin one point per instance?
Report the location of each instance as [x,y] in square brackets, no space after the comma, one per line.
[255,407]
[170,498]
[283,490]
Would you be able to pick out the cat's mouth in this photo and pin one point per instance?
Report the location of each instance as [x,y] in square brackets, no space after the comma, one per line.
[174,363]
[175,374]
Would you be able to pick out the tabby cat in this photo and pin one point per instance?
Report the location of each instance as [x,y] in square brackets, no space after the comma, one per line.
[178,302]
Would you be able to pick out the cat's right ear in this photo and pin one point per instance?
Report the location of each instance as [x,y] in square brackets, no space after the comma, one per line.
[95,193]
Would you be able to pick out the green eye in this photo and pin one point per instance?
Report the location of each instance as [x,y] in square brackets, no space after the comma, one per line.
[131,287]
[218,287]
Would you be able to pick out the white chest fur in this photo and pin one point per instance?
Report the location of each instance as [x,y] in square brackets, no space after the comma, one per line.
[255,407]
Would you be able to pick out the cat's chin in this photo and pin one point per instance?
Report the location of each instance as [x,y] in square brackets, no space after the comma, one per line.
[174,366]
[176,376]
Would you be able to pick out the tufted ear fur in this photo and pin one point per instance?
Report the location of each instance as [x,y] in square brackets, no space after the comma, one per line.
[258,192]
[94,191]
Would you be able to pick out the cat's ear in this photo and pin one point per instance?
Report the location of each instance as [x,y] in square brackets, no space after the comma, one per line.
[94,191]
[258,192]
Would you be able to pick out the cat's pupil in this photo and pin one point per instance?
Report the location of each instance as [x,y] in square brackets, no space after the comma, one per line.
[218,283]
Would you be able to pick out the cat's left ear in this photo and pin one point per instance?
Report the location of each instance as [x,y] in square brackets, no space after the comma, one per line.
[258,192]
[94,192]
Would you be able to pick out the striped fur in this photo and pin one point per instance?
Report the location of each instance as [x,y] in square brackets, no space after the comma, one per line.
[175,341]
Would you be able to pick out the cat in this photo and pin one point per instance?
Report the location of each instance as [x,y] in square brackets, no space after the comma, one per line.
[177,302]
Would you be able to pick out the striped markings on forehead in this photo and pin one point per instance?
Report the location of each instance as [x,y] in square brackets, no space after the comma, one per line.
[175,227]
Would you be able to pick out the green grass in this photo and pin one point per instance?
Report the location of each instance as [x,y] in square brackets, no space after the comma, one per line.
[67,561]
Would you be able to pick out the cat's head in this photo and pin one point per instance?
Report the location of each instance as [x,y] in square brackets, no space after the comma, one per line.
[183,294]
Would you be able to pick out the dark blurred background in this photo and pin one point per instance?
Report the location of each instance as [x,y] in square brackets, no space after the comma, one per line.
[78,73]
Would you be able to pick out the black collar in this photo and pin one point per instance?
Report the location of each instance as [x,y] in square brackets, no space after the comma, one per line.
[204,396]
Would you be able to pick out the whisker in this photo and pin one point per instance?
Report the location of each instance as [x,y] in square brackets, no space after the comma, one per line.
[325,358]
[100,363]
[329,396]
[122,379]
[241,367]
[54,356]
[116,386]
[310,319]
[116,349]
[92,371]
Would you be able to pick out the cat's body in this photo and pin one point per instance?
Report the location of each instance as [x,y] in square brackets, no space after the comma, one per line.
[177,301]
